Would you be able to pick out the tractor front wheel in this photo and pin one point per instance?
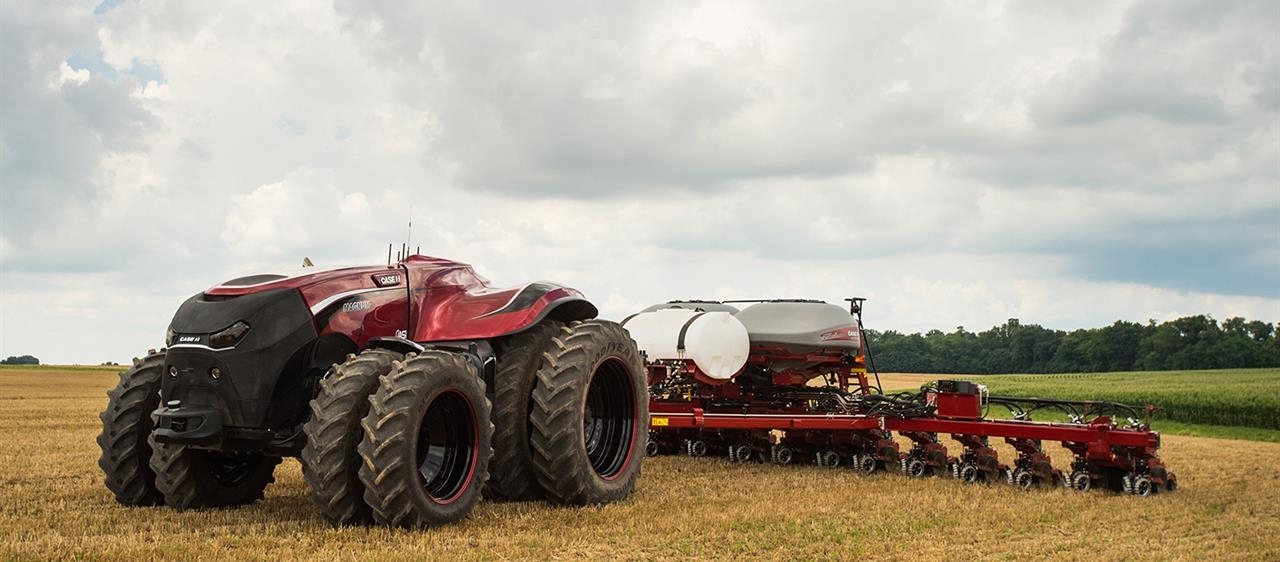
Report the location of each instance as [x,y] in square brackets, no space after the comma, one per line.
[330,462]
[126,425]
[193,478]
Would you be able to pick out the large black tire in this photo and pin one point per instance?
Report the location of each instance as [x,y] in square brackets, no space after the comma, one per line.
[126,425]
[427,441]
[330,462]
[193,478]
[511,473]
[591,411]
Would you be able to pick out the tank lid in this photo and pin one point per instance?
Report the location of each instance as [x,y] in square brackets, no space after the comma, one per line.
[698,305]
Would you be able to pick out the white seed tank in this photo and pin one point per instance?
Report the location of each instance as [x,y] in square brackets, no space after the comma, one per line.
[716,342]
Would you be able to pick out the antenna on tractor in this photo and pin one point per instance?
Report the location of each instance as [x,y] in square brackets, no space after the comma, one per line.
[403,252]
[408,238]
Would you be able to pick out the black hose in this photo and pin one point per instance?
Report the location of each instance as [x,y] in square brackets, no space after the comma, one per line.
[1022,408]
[900,405]
[871,360]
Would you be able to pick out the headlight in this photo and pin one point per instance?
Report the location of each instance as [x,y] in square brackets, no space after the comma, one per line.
[168,337]
[230,336]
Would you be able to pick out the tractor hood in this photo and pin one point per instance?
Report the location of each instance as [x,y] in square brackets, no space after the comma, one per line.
[322,288]
[442,300]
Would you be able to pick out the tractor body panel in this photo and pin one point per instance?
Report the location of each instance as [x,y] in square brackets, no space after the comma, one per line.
[288,330]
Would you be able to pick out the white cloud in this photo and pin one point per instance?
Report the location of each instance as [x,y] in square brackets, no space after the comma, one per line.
[959,164]
[288,219]
[67,74]
[154,91]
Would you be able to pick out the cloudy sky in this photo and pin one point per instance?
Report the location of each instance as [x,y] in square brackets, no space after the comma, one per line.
[958,163]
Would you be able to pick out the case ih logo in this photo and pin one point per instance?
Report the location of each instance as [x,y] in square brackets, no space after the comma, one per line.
[842,334]
[387,280]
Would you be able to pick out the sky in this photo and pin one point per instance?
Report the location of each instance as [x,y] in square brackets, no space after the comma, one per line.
[957,163]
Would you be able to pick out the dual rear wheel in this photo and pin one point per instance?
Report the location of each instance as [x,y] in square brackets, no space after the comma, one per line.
[568,405]
[590,414]
[427,441]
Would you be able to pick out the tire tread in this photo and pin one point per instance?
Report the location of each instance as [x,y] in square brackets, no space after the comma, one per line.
[126,425]
[330,462]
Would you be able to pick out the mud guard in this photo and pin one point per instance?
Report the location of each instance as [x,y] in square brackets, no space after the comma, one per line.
[480,353]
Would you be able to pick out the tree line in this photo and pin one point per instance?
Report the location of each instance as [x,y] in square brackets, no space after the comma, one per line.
[20,360]
[1192,342]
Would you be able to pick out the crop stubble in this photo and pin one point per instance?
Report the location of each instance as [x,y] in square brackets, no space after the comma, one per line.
[53,505]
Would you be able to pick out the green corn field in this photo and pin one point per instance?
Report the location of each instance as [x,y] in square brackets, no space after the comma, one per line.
[1235,397]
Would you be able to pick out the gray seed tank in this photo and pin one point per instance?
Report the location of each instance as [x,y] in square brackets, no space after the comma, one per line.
[801,326]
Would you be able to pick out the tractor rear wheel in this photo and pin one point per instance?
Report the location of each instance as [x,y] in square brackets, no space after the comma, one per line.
[330,462]
[126,425]
[591,409]
[511,473]
[193,478]
[427,441]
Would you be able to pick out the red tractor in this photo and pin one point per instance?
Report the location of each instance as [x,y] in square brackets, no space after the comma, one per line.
[405,390]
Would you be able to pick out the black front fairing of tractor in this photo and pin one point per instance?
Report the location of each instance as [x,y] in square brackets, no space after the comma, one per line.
[232,406]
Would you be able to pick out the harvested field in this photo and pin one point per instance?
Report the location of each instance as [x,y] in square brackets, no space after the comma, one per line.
[54,506]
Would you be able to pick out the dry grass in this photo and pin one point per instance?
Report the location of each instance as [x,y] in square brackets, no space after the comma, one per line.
[53,506]
[895,382]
